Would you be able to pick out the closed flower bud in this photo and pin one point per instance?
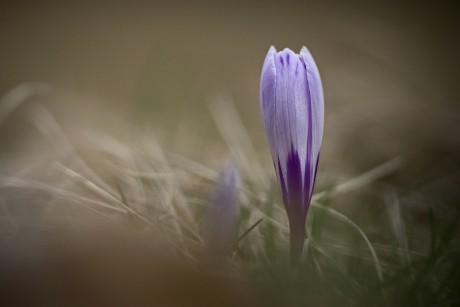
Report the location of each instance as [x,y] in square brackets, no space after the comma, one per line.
[292,106]
[222,216]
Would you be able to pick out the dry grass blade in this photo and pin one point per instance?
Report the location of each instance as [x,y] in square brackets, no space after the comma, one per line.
[14,98]
[52,131]
[87,183]
[92,186]
[194,167]
[174,199]
[232,130]
[12,182]
[364,179]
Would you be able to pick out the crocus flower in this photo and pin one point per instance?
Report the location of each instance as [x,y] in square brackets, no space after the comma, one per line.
[292,106]
[221,219]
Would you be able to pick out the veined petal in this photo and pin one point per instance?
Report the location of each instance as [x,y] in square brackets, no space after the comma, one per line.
[292,106]
[316,114]
[292,111]
[267,97]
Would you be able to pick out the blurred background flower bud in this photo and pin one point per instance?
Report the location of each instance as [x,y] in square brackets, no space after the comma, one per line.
[220,224]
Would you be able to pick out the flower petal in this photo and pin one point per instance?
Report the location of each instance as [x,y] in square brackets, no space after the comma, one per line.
[292,111]
[316,114]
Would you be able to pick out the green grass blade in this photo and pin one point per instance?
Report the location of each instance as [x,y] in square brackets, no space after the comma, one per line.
[249,230]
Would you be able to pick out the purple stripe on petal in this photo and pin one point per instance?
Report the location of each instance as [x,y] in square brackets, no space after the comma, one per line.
[310,155]
[307,185]
[294,180]
[284,191]
[314,178]
[292,106]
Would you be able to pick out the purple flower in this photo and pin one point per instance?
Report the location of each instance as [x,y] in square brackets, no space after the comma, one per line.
[292,106]
[222,216]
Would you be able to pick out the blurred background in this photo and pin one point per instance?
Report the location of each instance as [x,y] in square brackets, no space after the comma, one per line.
[390,74]
[390,70]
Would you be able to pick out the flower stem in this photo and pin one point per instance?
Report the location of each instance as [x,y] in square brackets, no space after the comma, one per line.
[297,238]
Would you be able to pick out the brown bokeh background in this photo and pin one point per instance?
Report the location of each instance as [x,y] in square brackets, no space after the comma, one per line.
[390,74]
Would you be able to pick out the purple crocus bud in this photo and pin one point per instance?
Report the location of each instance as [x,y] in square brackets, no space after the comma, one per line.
[221,219]
[292,106]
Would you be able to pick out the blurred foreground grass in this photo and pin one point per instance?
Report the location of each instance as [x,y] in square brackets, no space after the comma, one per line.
[119,222]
